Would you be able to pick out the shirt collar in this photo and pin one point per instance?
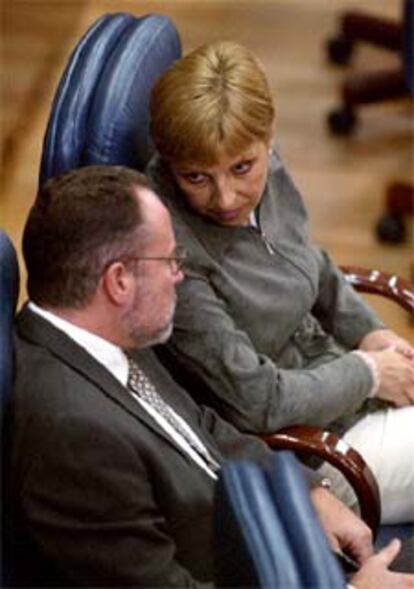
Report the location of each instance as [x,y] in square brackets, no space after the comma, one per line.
[253,218]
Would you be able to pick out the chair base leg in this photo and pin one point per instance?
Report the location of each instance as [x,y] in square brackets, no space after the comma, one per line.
[399,202]
[400,199]
[356,26]
[366,88]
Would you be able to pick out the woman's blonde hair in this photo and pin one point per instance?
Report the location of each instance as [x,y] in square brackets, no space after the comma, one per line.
[214,99]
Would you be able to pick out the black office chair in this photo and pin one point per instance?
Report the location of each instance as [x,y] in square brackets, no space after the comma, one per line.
[363,88]
[370,87]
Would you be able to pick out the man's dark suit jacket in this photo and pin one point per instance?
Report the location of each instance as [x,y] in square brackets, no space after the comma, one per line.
[102,494]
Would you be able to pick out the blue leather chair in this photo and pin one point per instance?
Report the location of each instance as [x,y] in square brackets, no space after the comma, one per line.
[100,116]
[266,531]
[100,110]
[9,287]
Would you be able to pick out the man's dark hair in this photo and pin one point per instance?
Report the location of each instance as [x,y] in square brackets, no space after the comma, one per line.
[80,222]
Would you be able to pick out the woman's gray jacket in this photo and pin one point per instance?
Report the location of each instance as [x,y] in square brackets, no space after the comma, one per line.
[264,316]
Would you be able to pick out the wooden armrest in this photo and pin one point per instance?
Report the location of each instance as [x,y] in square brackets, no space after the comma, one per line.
[376,282]
[307,440]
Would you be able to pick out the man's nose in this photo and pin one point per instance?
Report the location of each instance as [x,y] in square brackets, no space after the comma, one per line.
[178,276]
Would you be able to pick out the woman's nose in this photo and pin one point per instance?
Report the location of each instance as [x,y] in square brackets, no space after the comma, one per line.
[225,194]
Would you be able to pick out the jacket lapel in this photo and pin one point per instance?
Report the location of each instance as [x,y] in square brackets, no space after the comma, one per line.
[37,330]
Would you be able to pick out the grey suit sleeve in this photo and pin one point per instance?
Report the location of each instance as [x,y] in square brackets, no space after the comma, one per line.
[91,508]
[249,389]
[339,308]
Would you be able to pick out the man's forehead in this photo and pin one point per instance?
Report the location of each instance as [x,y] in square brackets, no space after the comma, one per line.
[155,215]
[149,201]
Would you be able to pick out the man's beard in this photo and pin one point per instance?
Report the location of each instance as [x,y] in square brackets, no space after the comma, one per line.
[140,337]
[158,338]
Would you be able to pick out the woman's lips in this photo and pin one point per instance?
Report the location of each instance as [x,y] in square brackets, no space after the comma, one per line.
[226,215]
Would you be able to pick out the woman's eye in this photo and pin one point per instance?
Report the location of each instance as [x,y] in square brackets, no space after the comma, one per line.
[243,167]
[194,178]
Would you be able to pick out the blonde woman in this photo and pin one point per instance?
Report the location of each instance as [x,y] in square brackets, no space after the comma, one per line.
[265,320]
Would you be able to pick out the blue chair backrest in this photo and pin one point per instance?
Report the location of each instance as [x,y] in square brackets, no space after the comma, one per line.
[9,288]
[100,113]
[266,531]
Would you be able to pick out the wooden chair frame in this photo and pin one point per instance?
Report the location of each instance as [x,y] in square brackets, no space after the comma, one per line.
[308,440]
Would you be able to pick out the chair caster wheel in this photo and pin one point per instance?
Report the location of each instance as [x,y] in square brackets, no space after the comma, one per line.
[391,229]
[341,121]
[339,50]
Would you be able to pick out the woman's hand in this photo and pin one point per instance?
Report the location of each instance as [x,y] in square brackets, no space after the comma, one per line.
[385,338]
[396,377]
[343,528]
[374,573]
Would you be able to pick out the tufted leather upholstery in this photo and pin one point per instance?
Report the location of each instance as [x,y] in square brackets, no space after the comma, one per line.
[266,531]
[100,110]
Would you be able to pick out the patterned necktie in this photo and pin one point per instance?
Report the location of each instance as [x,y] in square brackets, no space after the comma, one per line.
[140,384]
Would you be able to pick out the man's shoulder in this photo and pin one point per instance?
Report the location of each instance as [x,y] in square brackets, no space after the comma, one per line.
[42,378]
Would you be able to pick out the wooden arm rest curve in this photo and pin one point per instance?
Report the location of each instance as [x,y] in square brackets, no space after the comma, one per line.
[377,282]
[306,440]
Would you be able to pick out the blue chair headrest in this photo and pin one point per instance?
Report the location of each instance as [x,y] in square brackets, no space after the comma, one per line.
[100,111]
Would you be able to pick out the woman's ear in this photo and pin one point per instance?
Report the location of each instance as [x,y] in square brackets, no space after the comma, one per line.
[117,283]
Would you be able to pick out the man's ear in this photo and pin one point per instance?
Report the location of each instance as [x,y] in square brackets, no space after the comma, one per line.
[117,283]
